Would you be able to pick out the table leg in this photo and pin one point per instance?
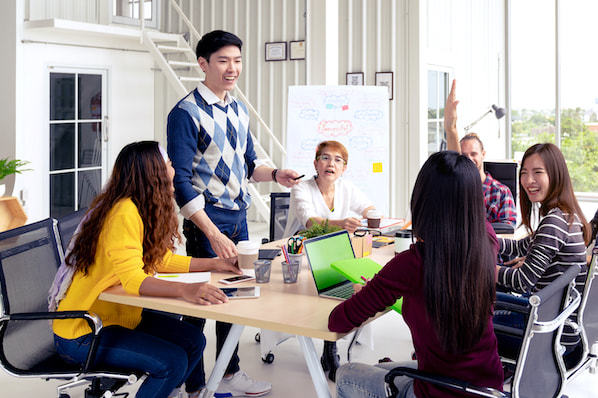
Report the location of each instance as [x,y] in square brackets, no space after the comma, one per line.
[314,367]
[222,361]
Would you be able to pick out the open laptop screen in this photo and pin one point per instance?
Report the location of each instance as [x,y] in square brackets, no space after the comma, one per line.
[323,251]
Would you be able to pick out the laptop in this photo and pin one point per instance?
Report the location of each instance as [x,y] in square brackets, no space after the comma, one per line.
[322,251]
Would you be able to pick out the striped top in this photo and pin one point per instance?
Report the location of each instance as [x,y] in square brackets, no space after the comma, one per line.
[553,248]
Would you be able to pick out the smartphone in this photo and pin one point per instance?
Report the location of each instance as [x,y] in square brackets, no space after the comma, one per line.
[236,279]
[242,292]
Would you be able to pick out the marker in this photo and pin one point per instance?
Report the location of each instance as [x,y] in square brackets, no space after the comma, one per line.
[298,178]
[167,276]
[363,278]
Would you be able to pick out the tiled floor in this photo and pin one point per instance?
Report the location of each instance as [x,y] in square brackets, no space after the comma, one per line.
[288,374]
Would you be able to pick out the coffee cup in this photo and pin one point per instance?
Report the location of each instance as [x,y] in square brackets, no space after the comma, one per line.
[247,253]
[403,240]
[373,217]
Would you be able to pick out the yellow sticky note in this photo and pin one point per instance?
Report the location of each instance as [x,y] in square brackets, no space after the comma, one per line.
[377,167]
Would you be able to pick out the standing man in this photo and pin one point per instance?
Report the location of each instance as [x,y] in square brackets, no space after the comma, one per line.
[498,198]
[212,152]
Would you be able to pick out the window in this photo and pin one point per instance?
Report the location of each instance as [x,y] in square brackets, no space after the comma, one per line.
[127,12]
[77,153]
[535,98]
[438,88]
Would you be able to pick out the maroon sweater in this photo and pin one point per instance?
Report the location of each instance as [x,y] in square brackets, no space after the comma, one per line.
[403,276]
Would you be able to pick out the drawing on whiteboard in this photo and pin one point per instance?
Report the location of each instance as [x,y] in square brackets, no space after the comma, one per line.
[360,142]
[335,128]
[309,144]
[309,114]
[368,114]
[333,101]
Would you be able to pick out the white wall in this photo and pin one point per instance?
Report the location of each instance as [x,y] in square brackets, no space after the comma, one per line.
[130,101]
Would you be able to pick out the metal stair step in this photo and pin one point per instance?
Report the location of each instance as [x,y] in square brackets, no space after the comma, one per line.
[173,49]
[190,79]
[183,63]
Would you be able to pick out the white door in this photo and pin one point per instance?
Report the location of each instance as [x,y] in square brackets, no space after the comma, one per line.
[77,145]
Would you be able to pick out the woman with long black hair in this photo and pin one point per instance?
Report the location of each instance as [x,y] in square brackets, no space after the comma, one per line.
[447,281]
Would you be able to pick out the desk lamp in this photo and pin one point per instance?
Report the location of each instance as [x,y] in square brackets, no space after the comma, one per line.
[498,112]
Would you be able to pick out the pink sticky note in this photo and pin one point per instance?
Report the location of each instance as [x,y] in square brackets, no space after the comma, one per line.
[345,107]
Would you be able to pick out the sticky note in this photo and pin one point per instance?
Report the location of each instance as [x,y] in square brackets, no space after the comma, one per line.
[345,107]
[377,167]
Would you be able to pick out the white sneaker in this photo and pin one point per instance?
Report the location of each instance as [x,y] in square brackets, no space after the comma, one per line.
[177,393]
[241,385]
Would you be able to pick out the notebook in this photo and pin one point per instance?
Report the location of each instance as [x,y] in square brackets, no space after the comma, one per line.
[355,268]
[322,251]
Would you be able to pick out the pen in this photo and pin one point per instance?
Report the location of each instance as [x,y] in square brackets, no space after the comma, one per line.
[167,276]
[363,278]
[300,177]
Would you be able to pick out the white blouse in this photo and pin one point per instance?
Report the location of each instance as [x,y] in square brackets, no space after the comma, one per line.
[307,201]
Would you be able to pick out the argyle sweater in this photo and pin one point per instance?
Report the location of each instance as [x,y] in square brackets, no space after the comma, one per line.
[211,150]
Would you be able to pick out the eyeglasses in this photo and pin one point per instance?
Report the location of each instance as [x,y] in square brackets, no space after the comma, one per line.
[337,160]
[364,232]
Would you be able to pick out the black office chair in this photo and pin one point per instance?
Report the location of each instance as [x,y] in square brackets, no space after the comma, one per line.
[279,213]
[505,173]
[67,225]
[29,259]
[539,371]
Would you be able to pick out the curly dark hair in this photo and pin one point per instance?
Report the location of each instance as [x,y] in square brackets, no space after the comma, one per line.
[139,174]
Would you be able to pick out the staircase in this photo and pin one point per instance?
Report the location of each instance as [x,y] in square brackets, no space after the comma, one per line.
[176,59]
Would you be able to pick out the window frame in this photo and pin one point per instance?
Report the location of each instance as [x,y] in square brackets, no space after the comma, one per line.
[103,120]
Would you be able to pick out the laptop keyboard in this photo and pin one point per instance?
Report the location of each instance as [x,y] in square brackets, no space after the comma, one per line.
[342,291]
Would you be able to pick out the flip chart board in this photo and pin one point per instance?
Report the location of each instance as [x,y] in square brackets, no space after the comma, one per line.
[356,116]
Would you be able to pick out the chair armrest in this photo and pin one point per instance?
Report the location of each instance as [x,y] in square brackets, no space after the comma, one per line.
[503,228]
[505,301]
[94,322]
[442,381]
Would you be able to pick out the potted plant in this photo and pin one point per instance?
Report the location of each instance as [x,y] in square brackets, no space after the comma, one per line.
[8,167]
[319,229]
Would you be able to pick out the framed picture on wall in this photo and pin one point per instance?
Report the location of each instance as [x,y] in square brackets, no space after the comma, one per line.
[385,79]
[297,50]
[276,51]
[354,79]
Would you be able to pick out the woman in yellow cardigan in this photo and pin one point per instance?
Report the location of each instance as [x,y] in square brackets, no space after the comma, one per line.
[128,236]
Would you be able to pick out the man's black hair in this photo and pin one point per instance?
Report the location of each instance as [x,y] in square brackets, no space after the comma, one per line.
[214,41]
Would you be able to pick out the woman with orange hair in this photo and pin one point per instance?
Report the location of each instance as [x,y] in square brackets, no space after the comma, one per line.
[327,196]
[127,236]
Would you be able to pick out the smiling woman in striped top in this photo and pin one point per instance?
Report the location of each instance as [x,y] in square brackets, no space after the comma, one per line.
[557,243]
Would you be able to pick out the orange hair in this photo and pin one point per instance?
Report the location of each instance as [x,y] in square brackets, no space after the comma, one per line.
[335,146]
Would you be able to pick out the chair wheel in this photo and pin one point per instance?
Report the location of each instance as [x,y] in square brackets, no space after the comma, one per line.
[269,358]
[64,395]
[258,337]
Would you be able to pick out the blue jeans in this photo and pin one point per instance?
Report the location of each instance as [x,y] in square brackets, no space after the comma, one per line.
[233,224]
[161,346]
[358,380]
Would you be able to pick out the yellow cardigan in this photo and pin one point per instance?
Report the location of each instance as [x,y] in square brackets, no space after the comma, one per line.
[118,260]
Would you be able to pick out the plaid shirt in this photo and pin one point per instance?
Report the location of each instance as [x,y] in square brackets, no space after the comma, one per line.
[498,199]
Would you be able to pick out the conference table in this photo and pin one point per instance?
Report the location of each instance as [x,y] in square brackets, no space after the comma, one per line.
[288,308]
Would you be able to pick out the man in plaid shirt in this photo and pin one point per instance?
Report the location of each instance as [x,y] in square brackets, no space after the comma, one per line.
[500,206]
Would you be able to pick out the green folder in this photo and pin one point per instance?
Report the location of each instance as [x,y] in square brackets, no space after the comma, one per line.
[354,268]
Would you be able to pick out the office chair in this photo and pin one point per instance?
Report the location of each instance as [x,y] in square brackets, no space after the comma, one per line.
[588,321]
[505,173]
[29,259]
[539,371]
[67,225]
[279,213]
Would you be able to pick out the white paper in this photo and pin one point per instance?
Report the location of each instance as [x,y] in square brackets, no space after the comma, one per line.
[185,277]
